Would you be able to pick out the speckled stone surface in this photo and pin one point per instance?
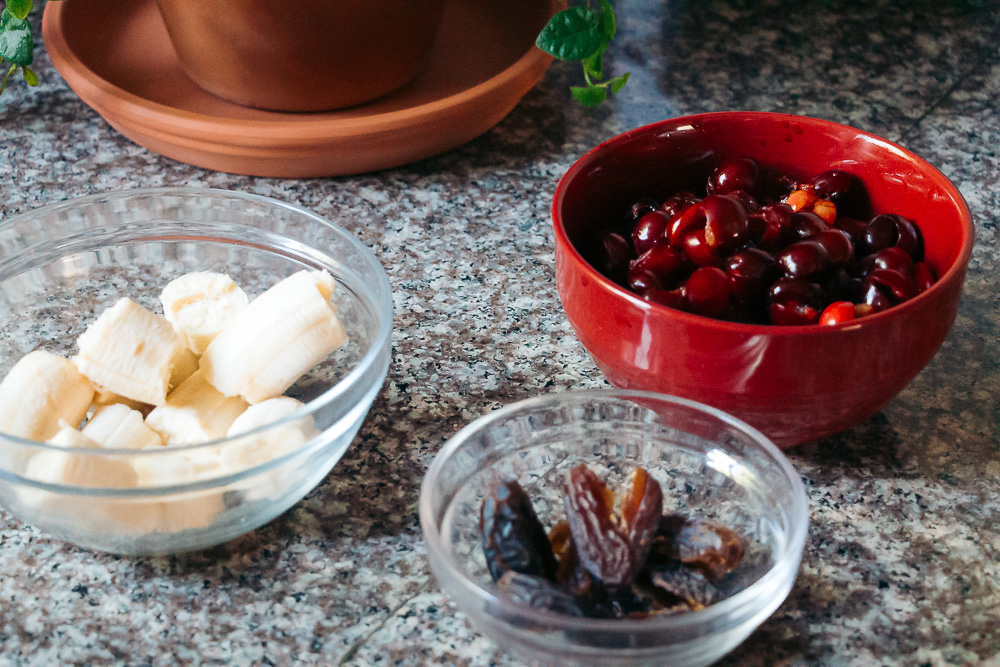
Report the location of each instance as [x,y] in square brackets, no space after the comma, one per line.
[903,560]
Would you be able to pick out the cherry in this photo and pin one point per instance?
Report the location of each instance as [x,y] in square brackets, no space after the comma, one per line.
[742,196]
[612,257]
[888,230]
[884,288]
[750,271]
[843,189]
[740,173]
[670,298]
[640,208]
[923,277]
[804,259]
[706,292]
[662,260]
[910,238]
[806,223]
[723,218]
[698,250]
[837,312]
[640,280]
[838,244]
[649,230]
[894,259]
[855,228]
[679,203]
[794,301]
[767,226]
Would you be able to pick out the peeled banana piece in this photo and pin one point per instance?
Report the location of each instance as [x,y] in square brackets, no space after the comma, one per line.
[195,412]
[131,351]
[202,304]
[76,469]
[271,443]
[276,339]
[40,391]
[120,427]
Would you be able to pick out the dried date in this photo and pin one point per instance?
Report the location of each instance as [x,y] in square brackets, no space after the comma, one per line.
[685,584]
[699,543]
[512,536]
[640,509]
[601,545]
[537,593]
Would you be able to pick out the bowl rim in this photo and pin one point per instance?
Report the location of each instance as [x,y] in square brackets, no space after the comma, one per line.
[383,308]
[792,553]
[572,254]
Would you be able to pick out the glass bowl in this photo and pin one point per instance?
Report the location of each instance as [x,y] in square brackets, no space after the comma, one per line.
[64,264]
[709,464]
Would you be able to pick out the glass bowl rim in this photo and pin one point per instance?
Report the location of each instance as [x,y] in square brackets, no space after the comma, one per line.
[795,545]
[383,311]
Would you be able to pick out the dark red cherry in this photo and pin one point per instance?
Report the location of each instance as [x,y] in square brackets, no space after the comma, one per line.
[725,222]
[894,259]
[698,251]
[923,277]
[649,230]
[881,233]
[804,259]
[679,203]
[671,298]
[612,257]
[640,208]
[749,203]
[663,260]
[883,286]
[793,301]
[855,228]
[767,226]
[838,244]
[910,238]
[750,272]
[845,190]
[735,174]
[706,292]
[805,224]
[640,280]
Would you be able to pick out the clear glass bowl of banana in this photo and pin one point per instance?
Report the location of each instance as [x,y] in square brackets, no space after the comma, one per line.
[180,365]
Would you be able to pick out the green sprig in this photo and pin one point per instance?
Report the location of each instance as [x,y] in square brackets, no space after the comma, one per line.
[17,45]
[583,34]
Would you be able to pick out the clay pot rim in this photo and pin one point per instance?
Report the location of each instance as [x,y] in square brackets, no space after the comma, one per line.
[187,124]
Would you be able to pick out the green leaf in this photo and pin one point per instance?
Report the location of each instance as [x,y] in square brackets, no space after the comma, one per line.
[16,42]
[607,23]
[593,65]
[19,8]
[572,34]
[30,77]
[589,96]
[619,82]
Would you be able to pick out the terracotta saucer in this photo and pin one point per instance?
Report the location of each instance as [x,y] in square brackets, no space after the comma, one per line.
[118,58]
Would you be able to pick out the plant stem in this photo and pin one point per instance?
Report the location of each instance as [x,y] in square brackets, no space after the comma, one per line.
[6,78]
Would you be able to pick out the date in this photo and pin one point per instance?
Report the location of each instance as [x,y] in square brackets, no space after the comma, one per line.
[699,543]
[601,544]
[513,538]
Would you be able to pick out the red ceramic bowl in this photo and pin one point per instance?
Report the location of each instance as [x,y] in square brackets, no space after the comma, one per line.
[794,383]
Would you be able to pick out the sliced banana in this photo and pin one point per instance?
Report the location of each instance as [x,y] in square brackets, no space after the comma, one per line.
[184,366]
[271,443]
[190,509]
[202,304]
[130,351]
[104,398]
[195,412]
[121,427]
[79,469]
[40,391]
[276,339]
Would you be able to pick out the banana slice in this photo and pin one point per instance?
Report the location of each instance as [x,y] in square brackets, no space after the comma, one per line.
[104,398]
[40,391]
[195,412]
[192,509]
[79,470]
[271,443]
[276,339]
[184,366]
[120,427]
[131,351]
[202,304]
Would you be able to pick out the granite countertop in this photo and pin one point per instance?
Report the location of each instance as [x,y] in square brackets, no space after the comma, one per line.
[903,560]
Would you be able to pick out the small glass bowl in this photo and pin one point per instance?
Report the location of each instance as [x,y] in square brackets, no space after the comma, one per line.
[709,465]
[64,264]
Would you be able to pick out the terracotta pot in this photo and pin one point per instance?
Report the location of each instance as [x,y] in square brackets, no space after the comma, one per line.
[311,55]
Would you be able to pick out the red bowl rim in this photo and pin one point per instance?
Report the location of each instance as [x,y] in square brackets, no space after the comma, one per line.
[573,255]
